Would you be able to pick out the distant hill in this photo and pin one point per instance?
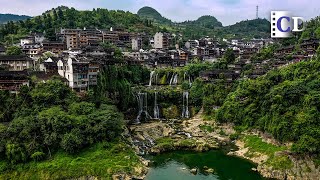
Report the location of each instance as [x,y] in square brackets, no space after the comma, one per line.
[204,21]
[104,19]
[63,8]
[255,24]
[152,14]
[12,17]
[255,28]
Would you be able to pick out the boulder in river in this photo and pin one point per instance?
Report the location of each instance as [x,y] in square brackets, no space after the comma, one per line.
[194,171]
[209,170]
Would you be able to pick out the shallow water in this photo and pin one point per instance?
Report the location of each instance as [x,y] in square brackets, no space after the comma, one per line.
[177,165]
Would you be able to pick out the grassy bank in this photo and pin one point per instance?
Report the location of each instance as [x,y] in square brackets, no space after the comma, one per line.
[255,144]
[100,160]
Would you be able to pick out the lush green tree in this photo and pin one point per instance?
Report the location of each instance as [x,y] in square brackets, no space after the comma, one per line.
[229,56]
[13,50]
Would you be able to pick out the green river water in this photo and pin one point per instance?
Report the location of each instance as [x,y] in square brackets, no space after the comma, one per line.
[177,165]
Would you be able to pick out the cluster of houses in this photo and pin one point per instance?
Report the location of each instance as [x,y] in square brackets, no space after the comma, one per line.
[77,57]
[247,67]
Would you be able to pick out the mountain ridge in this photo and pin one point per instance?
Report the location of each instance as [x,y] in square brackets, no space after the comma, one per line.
[4,18]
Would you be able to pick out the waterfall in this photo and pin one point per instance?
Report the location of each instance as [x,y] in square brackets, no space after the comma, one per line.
[151,77]
[174,79]
[143,107]
[185,107]
[171,79]
[156,112]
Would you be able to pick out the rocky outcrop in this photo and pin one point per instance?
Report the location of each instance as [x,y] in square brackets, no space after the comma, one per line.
[192,144]
[303,168]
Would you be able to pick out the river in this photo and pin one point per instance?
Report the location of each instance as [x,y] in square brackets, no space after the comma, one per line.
[177,166]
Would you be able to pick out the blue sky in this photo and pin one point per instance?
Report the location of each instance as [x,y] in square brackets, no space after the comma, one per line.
[226,11]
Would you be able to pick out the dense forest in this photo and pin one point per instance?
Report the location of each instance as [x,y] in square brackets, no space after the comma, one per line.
[63,17]
[48,117]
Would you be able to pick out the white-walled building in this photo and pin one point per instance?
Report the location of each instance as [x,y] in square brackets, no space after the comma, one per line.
[26,40]
[161,40]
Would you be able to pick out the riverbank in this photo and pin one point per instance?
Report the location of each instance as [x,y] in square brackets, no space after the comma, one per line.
[273,159]
[101,161]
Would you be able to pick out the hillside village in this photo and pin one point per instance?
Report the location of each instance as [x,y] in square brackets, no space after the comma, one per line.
[79,55]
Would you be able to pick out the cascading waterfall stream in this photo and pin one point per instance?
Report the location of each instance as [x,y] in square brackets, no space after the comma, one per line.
[143,107]
[156,112]
[151,78]
[174,79]
[185,107]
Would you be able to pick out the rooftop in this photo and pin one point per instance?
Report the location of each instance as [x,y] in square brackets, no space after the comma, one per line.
[14,58]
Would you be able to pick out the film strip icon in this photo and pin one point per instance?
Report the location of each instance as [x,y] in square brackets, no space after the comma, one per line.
[273,24]
[278,15]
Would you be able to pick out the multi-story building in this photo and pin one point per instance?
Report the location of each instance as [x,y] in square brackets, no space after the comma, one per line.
[76,72]
[118,37]
[183,55]
[71,37]
[94,69]
[191,44]
[82,73]
[310,46]
[16,63]
[90,37]
[161,40]
[136,43]
[33,51]
[54,46]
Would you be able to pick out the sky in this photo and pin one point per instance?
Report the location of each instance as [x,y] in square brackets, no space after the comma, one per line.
[226,11]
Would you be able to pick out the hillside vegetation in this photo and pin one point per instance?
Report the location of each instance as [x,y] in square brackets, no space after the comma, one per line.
[147,20]
[152,14]
[204,21]
[4,18]
[72,18]
[284,102]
